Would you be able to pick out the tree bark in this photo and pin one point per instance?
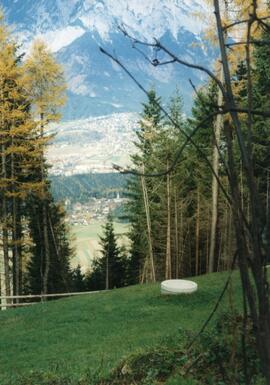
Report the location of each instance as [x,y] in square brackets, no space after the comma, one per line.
[46,268]
[250,249]
[197,231]
[15,250]
[176,237]
[16,235]
[168,271]
[107,283]
[6,289]
[149,231]
[215,163]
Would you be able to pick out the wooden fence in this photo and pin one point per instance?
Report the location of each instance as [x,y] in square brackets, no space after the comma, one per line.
[7,301]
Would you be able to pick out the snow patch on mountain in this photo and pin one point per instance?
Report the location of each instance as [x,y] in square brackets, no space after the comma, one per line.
[61,38]
[61,21]
[74,30]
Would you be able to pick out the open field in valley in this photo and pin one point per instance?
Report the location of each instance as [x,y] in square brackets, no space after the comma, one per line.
[85,240]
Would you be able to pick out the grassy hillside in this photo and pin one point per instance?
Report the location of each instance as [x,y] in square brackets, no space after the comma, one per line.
[88,333]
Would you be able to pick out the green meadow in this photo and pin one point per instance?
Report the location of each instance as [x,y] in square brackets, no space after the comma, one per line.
[90,333]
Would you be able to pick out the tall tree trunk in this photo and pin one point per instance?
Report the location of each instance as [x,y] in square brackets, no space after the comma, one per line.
[181,241]
[177,261]
[215,164]
[5,282]
[257,297]
[15,250]
[46,248]
[16,239]
[107,283]
[249,249]
[6,288]
[6,248]
[168,270]
[225,253]
[45,229]
[149,231]
[207,242]
[197,231]
[2,281]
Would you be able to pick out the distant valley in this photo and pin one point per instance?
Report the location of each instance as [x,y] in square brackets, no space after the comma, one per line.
[92,145]
[88,198]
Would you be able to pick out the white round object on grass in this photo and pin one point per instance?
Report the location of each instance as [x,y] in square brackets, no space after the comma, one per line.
[178,286]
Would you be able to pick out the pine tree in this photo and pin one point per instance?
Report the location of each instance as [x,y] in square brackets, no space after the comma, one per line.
[78,280]
[59,277]
[261,132]
[108,271]
[170,141]
[142,197]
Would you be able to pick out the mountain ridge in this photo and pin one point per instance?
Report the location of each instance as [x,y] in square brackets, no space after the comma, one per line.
[74,29]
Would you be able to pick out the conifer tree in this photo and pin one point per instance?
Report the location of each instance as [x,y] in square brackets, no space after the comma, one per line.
[170,140]
[108,271]
[59,278]
[142,195]
[19,150]
[45,83]
[78,280]
[261,131]
[200,180]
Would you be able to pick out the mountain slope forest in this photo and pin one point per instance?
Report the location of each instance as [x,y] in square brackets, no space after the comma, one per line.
[81,187]
[197,189]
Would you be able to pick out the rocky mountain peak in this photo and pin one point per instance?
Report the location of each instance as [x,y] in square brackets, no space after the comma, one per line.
[73,29]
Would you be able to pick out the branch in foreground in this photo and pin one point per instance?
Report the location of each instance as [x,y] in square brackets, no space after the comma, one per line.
[192,65]
[188,137]
[259,43]
[174,58]
[182,131]
[177,155]
[265,114]
[238,22]
[205,324]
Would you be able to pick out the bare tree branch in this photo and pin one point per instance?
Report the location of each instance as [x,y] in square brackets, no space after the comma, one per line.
[188,137]
[174,57]
[255,42]
[244,21]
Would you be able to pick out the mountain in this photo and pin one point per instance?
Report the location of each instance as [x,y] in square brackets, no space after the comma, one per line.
[74,30]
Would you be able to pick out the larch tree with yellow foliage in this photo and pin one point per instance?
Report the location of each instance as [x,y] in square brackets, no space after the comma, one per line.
[46,89]
[19,151]
[32,227]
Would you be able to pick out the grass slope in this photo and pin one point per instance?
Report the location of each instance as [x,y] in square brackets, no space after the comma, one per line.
[87,333]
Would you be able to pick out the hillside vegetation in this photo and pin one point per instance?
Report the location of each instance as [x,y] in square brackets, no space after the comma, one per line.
[81,187]
[86,241]
[91,334]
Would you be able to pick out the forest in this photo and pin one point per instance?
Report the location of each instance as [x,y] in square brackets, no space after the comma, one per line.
[81,187]
[34,245]
[197,189]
